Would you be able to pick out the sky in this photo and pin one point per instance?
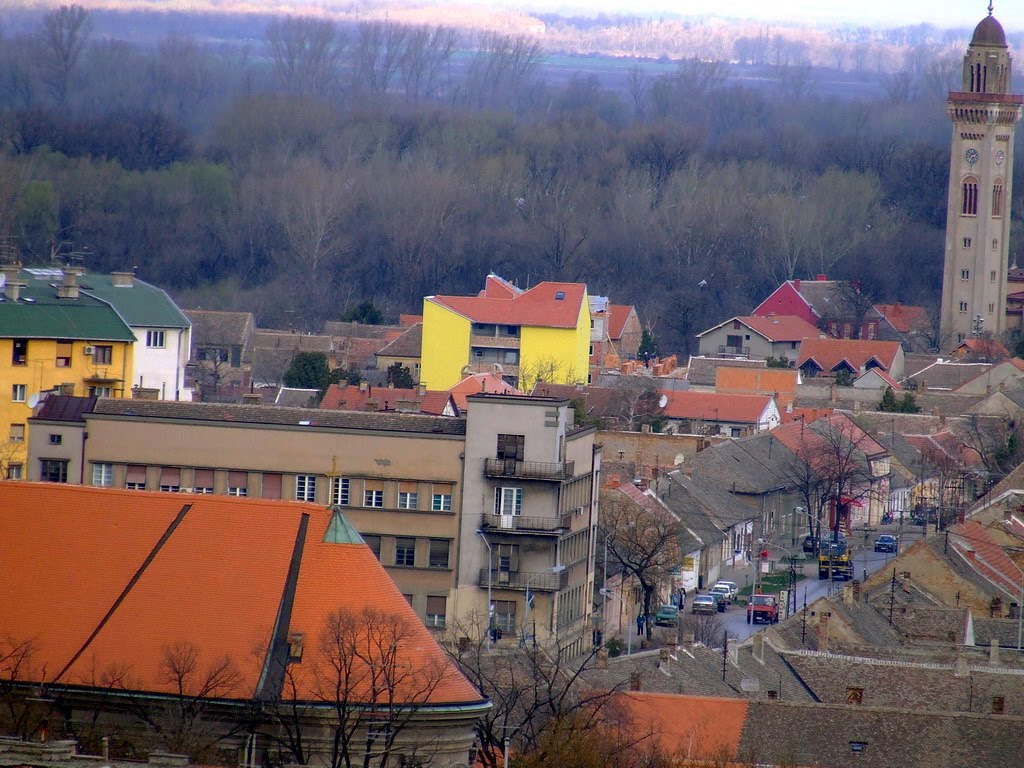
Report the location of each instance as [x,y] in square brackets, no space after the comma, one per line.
[941,13]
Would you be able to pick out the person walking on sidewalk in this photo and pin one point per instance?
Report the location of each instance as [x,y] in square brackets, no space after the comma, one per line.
[640,619]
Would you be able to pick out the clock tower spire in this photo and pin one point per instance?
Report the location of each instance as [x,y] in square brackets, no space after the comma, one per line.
[985,115]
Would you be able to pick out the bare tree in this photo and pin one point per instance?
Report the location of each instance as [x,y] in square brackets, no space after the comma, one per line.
[428,54]
[306,53]
[64,35]
[500,69]
[378,55]
[707,628]
[17,717]
[636,401]
[180,76]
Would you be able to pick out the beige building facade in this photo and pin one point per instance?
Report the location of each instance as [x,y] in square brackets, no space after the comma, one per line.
[985,115]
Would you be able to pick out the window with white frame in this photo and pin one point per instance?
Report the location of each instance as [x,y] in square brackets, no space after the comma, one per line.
[405,551]
[373,497]
[103,475]
[101,391]
[408,497]
[441,499]
[235,490]
[156,339]
[436,609]
[18,392]
[340,490]
[14,471]
[305,487]
[508,501]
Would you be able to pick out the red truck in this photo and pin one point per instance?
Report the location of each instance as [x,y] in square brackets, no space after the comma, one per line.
[763,609]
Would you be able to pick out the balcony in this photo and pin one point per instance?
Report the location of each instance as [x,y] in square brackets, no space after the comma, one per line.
[525,524]
[494,342]
[735,351]
[530,470]
[539,582]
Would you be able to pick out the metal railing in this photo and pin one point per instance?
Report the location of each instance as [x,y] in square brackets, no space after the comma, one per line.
[524,523]
[529,470]
[541,582]
[724,350]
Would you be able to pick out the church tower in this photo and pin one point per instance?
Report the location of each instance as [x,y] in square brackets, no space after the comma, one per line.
[984,115]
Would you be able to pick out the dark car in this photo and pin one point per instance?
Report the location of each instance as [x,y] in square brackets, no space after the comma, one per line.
[810,545]
[887,543]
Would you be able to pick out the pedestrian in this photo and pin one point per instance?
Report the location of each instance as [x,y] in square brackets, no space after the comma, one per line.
[640,623]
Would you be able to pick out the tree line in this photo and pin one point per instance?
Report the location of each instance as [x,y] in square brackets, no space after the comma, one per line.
[387,163]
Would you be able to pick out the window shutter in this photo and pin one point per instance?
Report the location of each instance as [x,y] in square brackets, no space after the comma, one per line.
[271,486]
[170,476]
[238,479]
[203,478]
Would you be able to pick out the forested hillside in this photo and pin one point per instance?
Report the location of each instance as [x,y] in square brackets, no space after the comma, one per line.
[321,166]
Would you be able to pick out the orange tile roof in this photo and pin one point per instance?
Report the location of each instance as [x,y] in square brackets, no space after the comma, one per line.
[987,347]
[976,545]
[351,398]
[406,320]
[780,382]
[828,353]
[537,306]
[712,406]
[618,314]
[806,415]
[690,727]
[903,317]
[781,327]
[216,583]
[476,383]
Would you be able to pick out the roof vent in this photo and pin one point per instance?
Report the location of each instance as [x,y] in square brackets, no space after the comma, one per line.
[559,295]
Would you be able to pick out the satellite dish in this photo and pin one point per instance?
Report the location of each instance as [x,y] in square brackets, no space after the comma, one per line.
[33,400]
[663,401]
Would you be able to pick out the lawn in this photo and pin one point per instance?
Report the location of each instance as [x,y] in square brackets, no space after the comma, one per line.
[771,583]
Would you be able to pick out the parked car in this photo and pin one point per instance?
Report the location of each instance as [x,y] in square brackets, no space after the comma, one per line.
[667,616]
[722,592]
[887,543]
[704,604]
[810,544]
[763,609]
[734,590]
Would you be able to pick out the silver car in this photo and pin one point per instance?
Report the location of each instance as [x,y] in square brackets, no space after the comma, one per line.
[731,591]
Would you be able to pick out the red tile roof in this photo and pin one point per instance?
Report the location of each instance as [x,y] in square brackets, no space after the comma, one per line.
[974,543]
[351,398]
[537,307]
[781,327]
[476,383]
[692,728]
[992,348]
[903,317]
[618,314]
[828,353]
[711,406]
[111,578]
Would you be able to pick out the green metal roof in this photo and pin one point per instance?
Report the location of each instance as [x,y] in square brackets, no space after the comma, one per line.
[39,314]
[140,304]
[340,530]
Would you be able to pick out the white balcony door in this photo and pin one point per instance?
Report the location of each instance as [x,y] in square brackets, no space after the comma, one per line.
[508,504]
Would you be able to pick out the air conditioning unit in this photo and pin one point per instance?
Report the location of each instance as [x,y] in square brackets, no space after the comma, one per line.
[503,577]
[89,349]
[184,490]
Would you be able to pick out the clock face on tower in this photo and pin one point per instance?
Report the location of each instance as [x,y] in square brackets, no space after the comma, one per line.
[971,156]
[1000,157]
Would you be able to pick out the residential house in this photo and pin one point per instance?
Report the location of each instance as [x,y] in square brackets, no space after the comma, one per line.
[54,337]
[836,307]
[477,383]
[1007,374]
[149,582]
[949,376]
[348,397]
[222,352]
[273,352]
[830,356]
[910,324]
[776,336]
[702,371]
[980,350]
[356,345]
[615,333]
[640,456]
[780,383]
[404,351]
[540,334]
[631,402]
[711,413]
[876,379]
[530,509]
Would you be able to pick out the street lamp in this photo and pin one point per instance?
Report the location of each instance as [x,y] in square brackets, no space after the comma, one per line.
[629,630]
[604,581]
[490,605]
[530,597]
[798,512]
[792,577]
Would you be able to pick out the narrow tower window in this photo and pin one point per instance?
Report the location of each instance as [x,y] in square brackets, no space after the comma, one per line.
[997,199]
[969,202]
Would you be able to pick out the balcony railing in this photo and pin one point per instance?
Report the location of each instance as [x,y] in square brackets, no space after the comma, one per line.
[530,470]
[494,342]
[541,582]
[740,351]
[525,524]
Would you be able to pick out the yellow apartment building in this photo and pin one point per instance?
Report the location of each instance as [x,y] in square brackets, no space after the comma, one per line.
[542,333]
[54,338]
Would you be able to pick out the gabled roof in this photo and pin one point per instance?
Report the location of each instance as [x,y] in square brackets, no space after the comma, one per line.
[140,304]
[476,383]
[538,307]
[65,408]
[947,375]
[698,500]
[347,397]
[113,579]
[701,728]
[220,329]
[887,380]
[618,314]
[775,328]
[975,544]
[904,318]
[408,344]
[830,353]
[297,398]
[990,349]
[40,314]
[827,299]
[711,406]
[689,541]
[702,370]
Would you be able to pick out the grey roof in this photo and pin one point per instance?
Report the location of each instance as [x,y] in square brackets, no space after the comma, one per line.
[791,733]
[694,497]
[358,330]
[755,465]
[828,299]
[212,328]
[406,345]
[702,371]
[687,674]
[274,415]
[65,408]
[945,375]
[297,398]
[297,342]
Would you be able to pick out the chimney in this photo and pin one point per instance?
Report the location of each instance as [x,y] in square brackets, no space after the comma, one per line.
[68,286]
[295,644]
[856,588]
[122,279]
[9,271]
[734,652]
[363,385]
[962,668]
[664,657]
[634,680]
[251,398]
[822,633]
[421,389]
[796,284]
[820,277]
[848,594]
[993,652]
[758,647]
[12,290]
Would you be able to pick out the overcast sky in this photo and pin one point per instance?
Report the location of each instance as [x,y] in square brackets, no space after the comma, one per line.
[941,13]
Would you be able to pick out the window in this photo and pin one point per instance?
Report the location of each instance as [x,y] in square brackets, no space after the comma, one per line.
[155,339]
[340,487]
[53,470]
[436,607]
[271,485]
[995,245]
[373,497]
[17,433]
[238,483]
[14,471]
[591,350]
[18,392]
[439,553]
[965,274]
[969,197]
[441,499]
[998,705]
[373,542]
[505,615]
[103,475]
[170,479]
[997,199]
[872,330]
[511,447]
[405,551]
[408,498]
[991,308]
[135,479]
[56,439]
[992,276]
[103,354]
[967,242]
[963,307]
[508,501]
[101,392]
[64,351]
[19,352]
[305,487]
[202,481]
